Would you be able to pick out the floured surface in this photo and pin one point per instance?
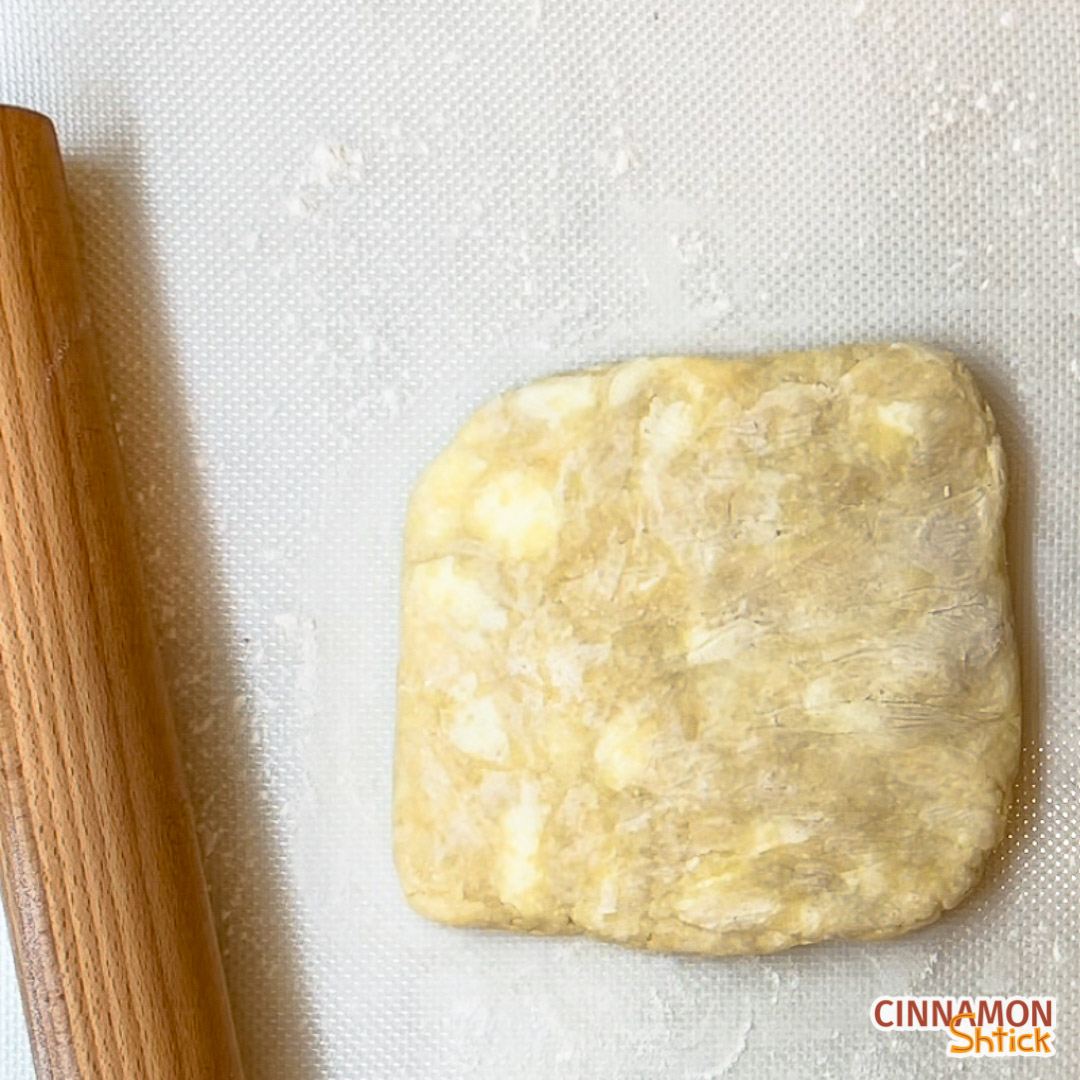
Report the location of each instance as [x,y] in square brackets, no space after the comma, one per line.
[709,656]
[319,237]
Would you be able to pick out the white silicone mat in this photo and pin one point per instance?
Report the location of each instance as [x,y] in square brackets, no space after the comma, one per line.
[319,232]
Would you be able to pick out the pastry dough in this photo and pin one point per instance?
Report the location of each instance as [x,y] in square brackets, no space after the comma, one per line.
[709,655]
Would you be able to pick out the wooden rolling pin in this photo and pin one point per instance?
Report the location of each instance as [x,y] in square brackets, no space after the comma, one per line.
[102,878]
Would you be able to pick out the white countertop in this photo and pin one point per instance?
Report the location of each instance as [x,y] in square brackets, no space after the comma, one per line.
[318,234]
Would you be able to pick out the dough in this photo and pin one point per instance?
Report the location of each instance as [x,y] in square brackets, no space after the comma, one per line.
[709,655]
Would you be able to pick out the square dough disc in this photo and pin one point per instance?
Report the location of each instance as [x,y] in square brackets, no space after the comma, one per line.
[709,655]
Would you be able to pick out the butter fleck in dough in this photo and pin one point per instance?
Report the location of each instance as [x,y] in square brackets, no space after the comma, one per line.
[709,655]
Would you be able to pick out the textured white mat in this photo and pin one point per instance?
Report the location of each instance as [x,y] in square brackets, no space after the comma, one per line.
[319,233]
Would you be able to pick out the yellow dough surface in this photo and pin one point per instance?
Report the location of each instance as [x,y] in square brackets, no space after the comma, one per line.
[709,655]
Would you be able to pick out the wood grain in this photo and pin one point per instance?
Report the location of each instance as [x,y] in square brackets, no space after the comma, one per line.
[102,878]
